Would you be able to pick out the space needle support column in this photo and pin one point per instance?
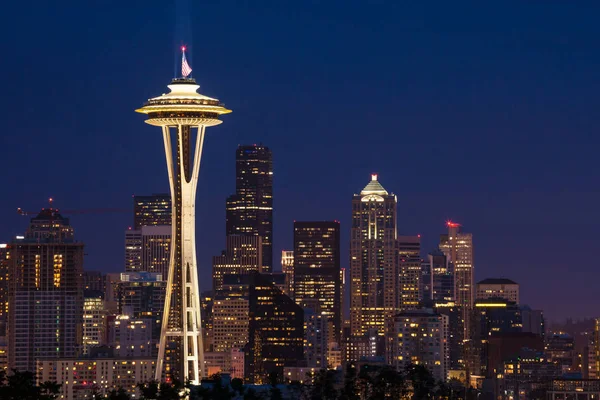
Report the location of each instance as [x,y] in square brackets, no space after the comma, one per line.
[182,113]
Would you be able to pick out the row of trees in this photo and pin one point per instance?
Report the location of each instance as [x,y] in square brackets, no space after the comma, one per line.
[371,383]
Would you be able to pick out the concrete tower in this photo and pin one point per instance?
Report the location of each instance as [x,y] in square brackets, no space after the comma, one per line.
[180,113]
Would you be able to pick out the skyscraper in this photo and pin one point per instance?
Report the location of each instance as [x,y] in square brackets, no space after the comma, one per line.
[373,260]
[250,210]
[317,270]
[180,354]
[243,254]
[287,267]
[45,292]
[458,248]
[276,330]
[151,210]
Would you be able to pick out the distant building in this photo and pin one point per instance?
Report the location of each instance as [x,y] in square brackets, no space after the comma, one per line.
[316,341]
[317,282]
[151,210]
[409,289]
[276,331]
[421,337]
[560,348]
[373,265]
[287,267]
[45,290]
[525,372]
[442,278]
[243,255]
[130,337]
[249,212]
[498,288]
[94,320]
[581,389]
[533,321]
[456,334]
[457,246]
[79,377]
[93,280]
[148,249]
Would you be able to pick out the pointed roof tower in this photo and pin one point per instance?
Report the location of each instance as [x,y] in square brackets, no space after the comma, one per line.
[374,187]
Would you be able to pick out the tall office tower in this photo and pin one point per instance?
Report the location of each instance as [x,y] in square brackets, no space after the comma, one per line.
[93,280]
[409,280]
[442,278]
[373,260]
[597,347]
[533,321]
[316,339]
[490,317]
[409,246]
[497,287]
[45,294]
[560,349]
[250,209]
[142,296]
[180,354]
[421,337]
[4,268]
[458,248]
[94,320]
[133,250]
[317,282]
[151,210]
[130,336]
[206,307]
[243,254]
[276,331]
[287,267]
[456,333]
[148,249]
[231,317]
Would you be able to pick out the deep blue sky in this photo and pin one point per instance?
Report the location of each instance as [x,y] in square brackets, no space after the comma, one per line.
[481,113]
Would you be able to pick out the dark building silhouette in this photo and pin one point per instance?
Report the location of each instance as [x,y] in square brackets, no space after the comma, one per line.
[250,210]
[93,280]
[276,330]
[45,292]
[151,210]
[317,280]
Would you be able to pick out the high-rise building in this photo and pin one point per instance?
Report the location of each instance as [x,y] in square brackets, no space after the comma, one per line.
[130,336]
[250,209]
[287,267]
[93,280]
[243,254]
[421,337]
[94,320]
[409,281]
[442,278]
[373,260]
[4,268]
[317,282]
[148,249]
[316,338]
[276,331]
[141,295]
[498,287]
[45,293]
[151,210]
[458,248]
[187,113]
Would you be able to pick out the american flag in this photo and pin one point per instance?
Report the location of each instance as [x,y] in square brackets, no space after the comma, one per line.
[185,67]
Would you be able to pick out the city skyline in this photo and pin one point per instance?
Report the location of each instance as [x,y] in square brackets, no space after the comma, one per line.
[500,187]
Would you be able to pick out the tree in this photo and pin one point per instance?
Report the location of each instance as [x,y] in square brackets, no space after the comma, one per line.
[388,384]
[251,395]
[120,394]
[172,391]
[323,386]
[148,390]
[350,390]
[423,382]
[237,385]
[21,386]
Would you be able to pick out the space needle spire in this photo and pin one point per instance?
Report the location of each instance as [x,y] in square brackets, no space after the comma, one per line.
[183,114]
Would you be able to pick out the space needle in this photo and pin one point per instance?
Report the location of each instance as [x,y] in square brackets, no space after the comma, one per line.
[183,114]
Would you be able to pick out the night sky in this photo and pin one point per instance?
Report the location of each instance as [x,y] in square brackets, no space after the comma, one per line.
[482,114]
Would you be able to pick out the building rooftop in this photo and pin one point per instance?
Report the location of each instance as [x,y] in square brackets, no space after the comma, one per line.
[497,281]
[374,187]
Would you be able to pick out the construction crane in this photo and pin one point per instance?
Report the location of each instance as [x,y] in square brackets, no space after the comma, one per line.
[20,211]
